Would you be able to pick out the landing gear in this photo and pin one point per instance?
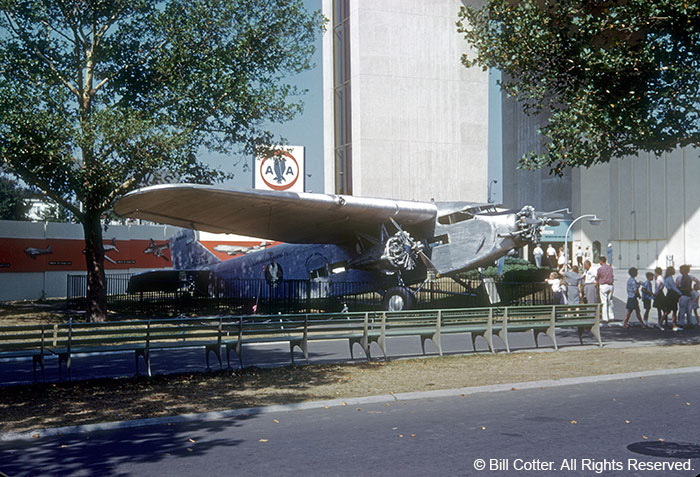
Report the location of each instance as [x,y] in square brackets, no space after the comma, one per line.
[398,298]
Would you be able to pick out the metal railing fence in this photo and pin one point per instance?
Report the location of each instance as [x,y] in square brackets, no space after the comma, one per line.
[301,296]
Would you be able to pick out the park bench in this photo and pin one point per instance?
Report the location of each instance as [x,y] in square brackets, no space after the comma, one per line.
[233,332]
[139,336]
[582,317]
[388,324]
[353,327]
[545,319]
[25,341]
[253,329]
[477,322]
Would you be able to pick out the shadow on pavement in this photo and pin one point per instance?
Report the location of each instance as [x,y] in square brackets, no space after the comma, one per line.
[677,450]
[99,453]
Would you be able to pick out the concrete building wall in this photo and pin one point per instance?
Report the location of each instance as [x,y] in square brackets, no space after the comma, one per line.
[650,207]
[542,190]
[419,118]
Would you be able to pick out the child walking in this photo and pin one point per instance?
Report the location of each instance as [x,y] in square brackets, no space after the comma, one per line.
[632,295]
[647,295]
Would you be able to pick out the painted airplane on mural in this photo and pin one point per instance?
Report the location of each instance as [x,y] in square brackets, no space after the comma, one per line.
[390,244]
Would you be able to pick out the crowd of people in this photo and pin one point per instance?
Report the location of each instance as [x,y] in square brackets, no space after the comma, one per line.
[583,282]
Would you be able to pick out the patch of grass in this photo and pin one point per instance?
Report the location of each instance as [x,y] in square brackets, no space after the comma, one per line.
[66,404]
[34,313]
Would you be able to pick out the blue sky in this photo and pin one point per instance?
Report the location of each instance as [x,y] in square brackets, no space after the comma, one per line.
[306,130]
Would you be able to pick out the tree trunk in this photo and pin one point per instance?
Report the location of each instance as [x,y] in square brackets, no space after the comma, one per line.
[95,263]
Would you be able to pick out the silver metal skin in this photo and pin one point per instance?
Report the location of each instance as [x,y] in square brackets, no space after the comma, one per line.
[367,238]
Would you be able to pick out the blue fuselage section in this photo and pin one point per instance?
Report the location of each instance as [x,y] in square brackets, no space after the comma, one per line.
[295,262]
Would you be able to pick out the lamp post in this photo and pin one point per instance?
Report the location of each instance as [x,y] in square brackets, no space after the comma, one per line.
[494,181]
[592,219]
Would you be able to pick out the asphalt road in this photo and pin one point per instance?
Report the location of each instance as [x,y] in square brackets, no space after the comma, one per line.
[615,427]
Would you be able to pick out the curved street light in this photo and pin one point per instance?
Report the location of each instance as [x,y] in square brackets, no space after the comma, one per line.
[592,219]
[493,181]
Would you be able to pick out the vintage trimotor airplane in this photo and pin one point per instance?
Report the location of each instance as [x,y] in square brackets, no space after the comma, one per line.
[390,244]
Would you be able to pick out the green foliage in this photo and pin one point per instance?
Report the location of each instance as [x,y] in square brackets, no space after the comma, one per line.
[96,96]
[613,77]
[13,200]
[55,213]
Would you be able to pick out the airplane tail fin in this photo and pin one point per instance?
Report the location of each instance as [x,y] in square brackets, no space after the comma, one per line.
[188,254]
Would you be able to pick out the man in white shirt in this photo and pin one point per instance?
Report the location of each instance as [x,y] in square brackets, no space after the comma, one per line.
[579,256]
[590,292]
[537,254]
[552,256]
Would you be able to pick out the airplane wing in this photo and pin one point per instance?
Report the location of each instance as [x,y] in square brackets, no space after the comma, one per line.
[283,216]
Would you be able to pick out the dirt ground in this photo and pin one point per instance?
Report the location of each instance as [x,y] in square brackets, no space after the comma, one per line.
[29,407]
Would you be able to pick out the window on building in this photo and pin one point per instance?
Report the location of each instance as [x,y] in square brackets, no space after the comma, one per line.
[341,97]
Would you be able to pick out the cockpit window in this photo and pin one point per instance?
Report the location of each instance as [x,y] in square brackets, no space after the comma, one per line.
[465,214]
[453,218]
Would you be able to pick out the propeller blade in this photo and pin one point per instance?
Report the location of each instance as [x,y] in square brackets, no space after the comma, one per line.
[426,261]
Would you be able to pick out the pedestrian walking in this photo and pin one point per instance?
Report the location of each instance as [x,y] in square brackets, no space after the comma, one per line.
[579,257]
[647,296]
[632,304]
[605,280]
[555,281]
[671,300]
[590,287]
[659,296]
[574,289]
[537,254]
[685,284]
[552,256]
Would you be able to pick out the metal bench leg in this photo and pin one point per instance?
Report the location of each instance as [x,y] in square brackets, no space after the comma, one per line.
[595,329]
[39,360]
[147,358]
[580,335]
[216,349]
[488,336]
[239,353]
[382,345]
[552,334]
[503,334]
[64,358]
[422,343]
[350,343]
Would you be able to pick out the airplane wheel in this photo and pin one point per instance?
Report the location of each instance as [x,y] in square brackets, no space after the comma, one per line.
[398,298]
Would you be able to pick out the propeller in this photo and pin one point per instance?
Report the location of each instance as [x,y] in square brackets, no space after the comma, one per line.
[418,248]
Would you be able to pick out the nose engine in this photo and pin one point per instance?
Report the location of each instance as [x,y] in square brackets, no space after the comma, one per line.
[530,223]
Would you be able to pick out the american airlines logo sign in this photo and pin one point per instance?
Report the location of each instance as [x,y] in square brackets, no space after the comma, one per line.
[282,170]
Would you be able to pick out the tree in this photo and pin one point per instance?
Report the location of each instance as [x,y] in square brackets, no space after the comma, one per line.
[98,95]
[613,77]
[13,200]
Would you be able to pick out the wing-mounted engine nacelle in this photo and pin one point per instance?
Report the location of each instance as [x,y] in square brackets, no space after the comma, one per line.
[530,223]
[401,251]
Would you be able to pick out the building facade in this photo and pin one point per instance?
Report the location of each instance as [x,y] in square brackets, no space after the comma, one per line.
[649,205]
[402,117]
